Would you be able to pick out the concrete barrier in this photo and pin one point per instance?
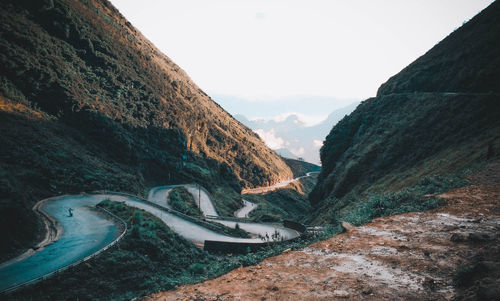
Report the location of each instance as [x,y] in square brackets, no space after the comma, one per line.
[232,247]
[240,247]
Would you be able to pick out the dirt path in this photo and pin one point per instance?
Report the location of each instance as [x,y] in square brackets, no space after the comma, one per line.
[413,256]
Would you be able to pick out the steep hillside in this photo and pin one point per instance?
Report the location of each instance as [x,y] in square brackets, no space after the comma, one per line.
[87,102]
[301,168]
[466,61]
[439,116]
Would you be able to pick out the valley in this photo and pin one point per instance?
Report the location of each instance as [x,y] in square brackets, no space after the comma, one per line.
[122,179]
[76,223]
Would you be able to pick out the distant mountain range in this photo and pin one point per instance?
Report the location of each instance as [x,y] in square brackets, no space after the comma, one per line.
[292,137]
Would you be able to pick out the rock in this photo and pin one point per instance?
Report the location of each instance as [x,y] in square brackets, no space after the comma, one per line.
[478,236]
[458,237]
[488,290]
[340,293]
[347,226]
[429,283]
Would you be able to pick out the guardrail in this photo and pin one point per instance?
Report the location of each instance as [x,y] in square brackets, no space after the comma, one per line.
[212,245]
[61,269]
[213,227]
[229,218]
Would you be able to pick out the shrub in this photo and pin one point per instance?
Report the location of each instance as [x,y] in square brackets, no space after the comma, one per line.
[196,269]
[181,200]
[411,199]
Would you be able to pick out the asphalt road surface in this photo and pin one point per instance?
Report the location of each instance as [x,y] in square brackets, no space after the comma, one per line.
[83,234]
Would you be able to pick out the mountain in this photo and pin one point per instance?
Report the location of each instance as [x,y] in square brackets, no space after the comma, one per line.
[88,103]
[285,153]
[301,168]
[309,105]
[293,138]
[438,116]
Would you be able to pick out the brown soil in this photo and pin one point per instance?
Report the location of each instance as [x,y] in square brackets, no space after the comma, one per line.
[414,256]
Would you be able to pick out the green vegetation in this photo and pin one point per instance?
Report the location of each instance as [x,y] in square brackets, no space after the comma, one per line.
[150,257]
[289,202]
[392,142]
[87,103]
[358,211]
[181,200]
[450,67]
[300,168]
[234,232]
[226,201]
[439,116]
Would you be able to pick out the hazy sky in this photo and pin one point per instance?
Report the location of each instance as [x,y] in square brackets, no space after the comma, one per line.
[275,49]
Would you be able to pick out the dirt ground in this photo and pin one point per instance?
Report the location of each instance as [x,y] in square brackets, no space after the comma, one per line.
[449,253]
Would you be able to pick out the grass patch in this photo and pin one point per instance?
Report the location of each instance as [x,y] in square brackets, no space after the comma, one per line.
[290,202]
[416,198]
[234,232]
[181,200]
[226,201]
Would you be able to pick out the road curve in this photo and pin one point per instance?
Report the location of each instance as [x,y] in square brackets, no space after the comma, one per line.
[281,184]
[87,231]
[199,235]
[202,199]
[245,210]
[159,196]
[189,230]
[83,234]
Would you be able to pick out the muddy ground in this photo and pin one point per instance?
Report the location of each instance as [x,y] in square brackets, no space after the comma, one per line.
[449,253]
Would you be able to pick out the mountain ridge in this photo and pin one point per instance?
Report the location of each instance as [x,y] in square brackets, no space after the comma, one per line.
[296,139]
[88,103]
[421,123]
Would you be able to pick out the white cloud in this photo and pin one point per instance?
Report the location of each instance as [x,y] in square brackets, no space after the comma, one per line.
[270,138]
[317,143]
[298,151]
[260,48]
[305,119]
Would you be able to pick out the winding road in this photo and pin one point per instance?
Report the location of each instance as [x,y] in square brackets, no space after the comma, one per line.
[160,198]
[281,184]
[89,231]
[245,210]
[83,234]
